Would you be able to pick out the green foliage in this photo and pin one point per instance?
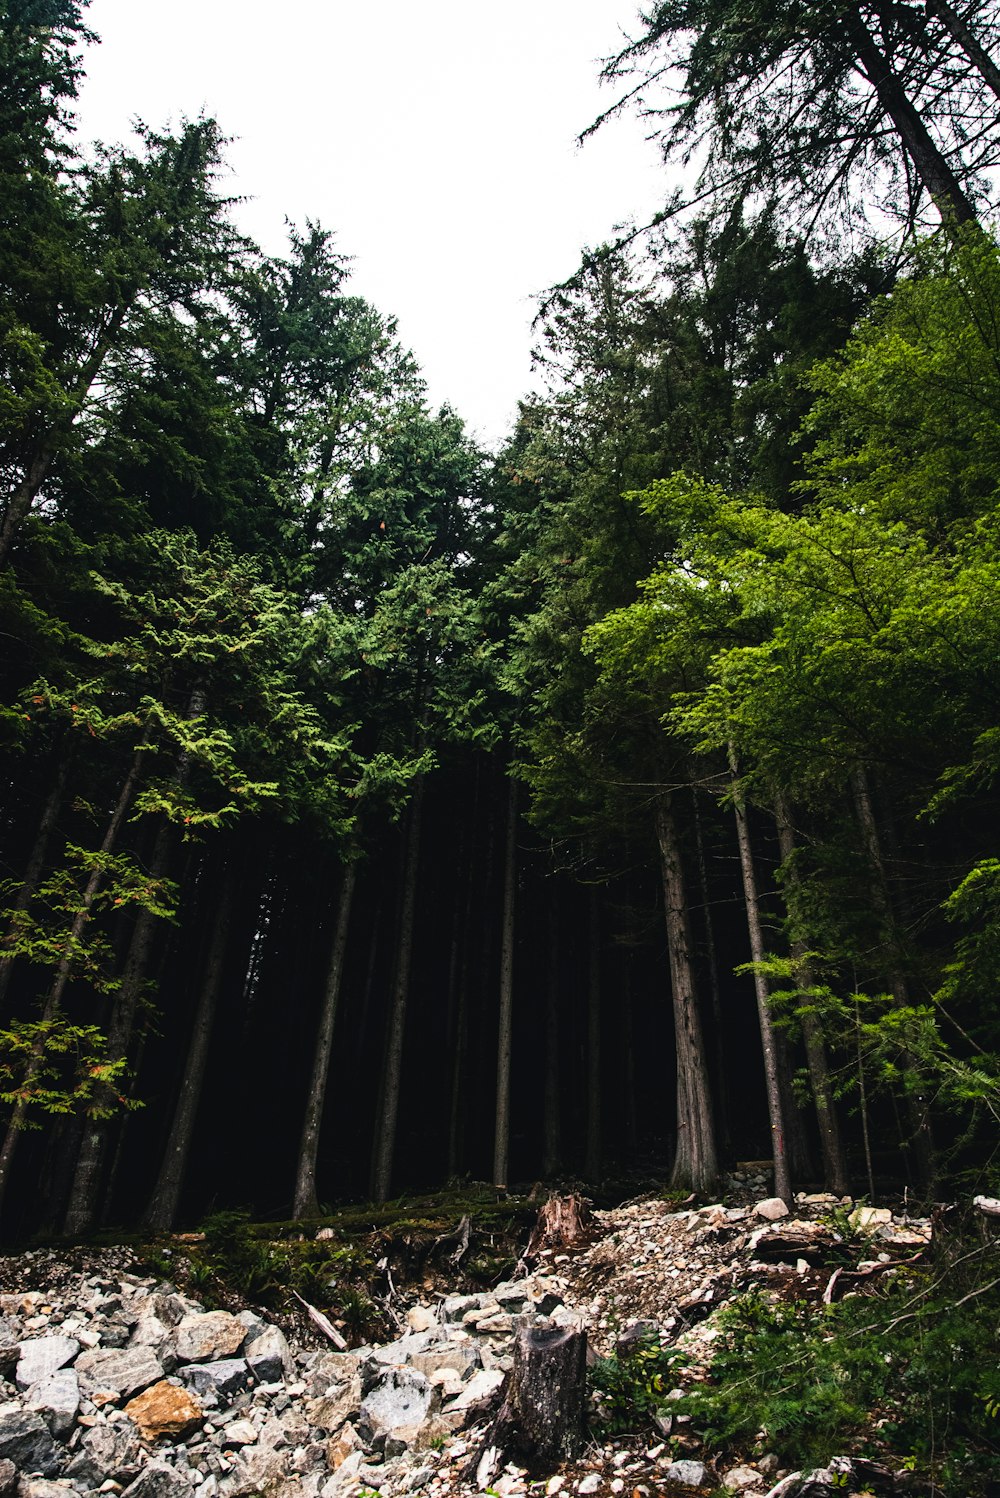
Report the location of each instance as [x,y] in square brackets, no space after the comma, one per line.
[630,1388]
[908,1372]
[51,1066]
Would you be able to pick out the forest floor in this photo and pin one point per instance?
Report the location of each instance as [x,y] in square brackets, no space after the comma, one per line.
[736,1346]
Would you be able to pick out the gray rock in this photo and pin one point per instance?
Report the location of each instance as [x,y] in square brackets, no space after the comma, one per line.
[687,1474]
[107,1451]
[223,1378]
[45,1487]
[331,1410]
[42,1356]
[208,1335]
[26,1441]
[401,1397]
[57,1400]
[8,1478]
[454,1307]
[158,1481]
[266,1350]
[113,1373]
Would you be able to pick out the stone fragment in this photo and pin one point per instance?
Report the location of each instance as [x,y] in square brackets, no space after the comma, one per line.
[26,1440]
[266,1350]
[57,1400]
[738,1479]
[331,1410]
[164,1410]
[208,1335]
[223,1378]
[342,1446]
[421,1319]
[687,1474]
[108,1374]
[158,1481]
[8,1478]
[590,1484]
[771,1209]
[41,1356]
[480,1386]
[239,1433]
[401,1397]
[45,1487]
[863,1218]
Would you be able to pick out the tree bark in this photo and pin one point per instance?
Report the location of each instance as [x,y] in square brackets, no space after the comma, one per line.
[930,165]
[306,1202]
[714,987]
[920,1146]
[541,1420]
[835,1171]
[963,35]
[501,1134]
[551,1132]
[53,1001]
[36,860]
[592,1158]
[385,1141]
[695,1162]
[768,1040]
[162,1209]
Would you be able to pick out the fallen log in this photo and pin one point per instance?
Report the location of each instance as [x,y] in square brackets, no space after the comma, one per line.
[541,1420]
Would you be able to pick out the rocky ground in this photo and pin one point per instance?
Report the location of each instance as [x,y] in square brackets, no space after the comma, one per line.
[114,1382]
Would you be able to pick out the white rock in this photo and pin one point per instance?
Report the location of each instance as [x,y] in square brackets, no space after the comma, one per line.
[590,1484]
[42,1356]
[740,1478]
[771,1208]
[686,1474]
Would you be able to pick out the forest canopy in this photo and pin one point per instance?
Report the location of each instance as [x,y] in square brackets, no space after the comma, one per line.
[622,802]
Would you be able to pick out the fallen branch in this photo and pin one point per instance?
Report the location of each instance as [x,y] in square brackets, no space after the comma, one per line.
[323,1323]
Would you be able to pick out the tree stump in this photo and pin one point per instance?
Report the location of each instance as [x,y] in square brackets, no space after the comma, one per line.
[563,1222]
[541,1420]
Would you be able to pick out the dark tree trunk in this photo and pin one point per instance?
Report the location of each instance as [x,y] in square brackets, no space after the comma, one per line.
[305,1178]
[162,1209]
[36,860]
[919,1147]
[966,39]
[501,1131]
[782,1179]
[930,165]
[592,1161]
[385,1140]
[695,1162]
[551,1132]
[831,1147]
[54,999]
[714,987]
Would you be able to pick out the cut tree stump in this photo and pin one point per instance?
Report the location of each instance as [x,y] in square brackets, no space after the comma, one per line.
[541,1420]
[563,1222]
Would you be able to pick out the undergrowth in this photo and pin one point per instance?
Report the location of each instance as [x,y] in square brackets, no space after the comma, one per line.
[908,1375]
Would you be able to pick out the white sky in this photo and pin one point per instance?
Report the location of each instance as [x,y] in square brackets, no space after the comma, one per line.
[437,139]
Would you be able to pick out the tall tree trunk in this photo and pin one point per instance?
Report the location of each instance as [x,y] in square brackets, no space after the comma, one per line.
[385,1140]
[631,1119]
[551,1132]
[459,1034]
[930,165]
[85,1194]
[306,1201]
[782,1180]
[501,1131]
[36,860]
[835,1171]
[163,1204]
[592,1159]
[714,987]
[55,995]
[919,1147]
[695,1162]
[966,39]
